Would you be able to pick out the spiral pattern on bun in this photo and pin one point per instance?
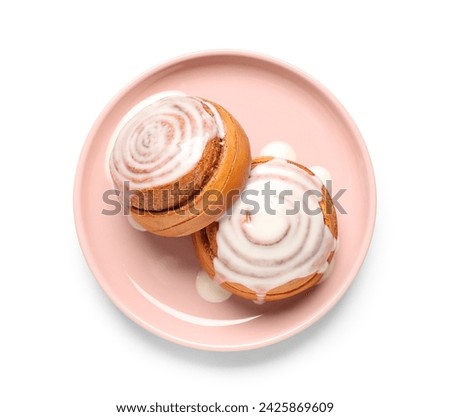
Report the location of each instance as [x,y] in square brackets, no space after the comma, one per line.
[163,141]
[169,154]
[278,237]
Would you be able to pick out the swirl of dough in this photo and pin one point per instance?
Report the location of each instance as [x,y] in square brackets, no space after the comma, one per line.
[163,141]
[276,231]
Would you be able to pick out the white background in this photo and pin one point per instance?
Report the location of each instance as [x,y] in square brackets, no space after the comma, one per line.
[67,351]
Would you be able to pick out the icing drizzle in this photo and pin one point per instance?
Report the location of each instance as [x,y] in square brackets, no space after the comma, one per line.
[263,249]
[163,141]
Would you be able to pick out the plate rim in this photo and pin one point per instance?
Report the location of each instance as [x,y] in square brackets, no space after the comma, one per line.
[82,233]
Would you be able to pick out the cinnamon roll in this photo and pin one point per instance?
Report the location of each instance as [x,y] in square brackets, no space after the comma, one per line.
[279,237]
[179,158]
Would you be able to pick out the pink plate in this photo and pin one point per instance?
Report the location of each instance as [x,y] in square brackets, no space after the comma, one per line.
[152,279]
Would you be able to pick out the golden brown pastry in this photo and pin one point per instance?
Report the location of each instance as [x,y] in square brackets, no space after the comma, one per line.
[183,158]
[279,238]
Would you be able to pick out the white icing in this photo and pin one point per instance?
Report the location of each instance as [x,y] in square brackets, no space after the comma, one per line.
[210,290]
[162,139]
[262,250]
[131,113]
[264,228]
[329,270]
[279,149]
[134,224]
[323,174]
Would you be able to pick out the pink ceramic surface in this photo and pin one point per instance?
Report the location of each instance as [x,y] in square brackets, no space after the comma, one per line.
[152,279]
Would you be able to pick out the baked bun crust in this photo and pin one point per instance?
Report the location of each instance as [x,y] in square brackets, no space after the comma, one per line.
[247,274]
[198,197]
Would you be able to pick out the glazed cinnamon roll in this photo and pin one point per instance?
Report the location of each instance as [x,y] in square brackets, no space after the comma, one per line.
[278,239]
[179,158]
